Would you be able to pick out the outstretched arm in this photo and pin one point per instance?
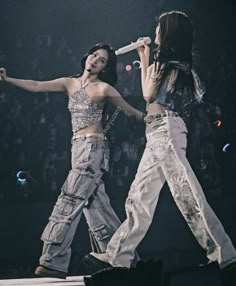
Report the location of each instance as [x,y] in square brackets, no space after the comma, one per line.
[33,85]
[115,98]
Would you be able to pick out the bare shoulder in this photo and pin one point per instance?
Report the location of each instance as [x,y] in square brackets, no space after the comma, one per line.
[70,81]
[103,85]
[108,90]
[65,81]
[72,85]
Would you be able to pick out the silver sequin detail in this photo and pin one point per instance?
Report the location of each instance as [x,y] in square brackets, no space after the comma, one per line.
[84,110]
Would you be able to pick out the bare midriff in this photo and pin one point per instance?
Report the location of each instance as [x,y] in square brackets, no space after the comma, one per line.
[94,128]
[156,108]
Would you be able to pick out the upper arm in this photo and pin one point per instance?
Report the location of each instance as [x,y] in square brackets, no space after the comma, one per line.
[151,84]
[115,98]
[55,85]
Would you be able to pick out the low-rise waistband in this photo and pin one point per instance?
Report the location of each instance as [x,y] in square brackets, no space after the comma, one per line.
[89,135]
[150,117]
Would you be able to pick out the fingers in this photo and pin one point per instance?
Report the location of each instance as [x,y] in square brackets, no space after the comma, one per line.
[141,40]
[151,71]
[2,73]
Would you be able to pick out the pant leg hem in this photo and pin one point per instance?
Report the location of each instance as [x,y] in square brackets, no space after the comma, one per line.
[53,267]
[227,263]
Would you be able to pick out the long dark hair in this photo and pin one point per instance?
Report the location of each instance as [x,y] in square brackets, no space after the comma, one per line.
[175,36]
[175,49]
[173,62]
[109,74]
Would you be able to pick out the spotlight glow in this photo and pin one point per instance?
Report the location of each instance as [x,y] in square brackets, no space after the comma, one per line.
[21,176]
[226,147]
[218,123]
[128,67]
[137,64]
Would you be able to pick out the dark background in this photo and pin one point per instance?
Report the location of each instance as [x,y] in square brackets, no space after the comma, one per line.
[46,39]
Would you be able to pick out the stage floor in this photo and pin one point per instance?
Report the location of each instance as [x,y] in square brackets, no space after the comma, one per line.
[205,275]
[69,281]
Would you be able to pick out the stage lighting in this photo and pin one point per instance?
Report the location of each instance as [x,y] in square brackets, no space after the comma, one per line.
[128,67]
[218,123]
[21,177]
[137,65]
[226,147]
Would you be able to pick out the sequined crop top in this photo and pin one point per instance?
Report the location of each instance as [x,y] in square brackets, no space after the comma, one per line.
[84,110]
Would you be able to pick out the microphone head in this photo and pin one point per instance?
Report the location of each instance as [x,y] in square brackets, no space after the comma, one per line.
[147,40]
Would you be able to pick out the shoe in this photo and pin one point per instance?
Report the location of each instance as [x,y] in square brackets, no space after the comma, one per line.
[228,275]
[42,271]
[109,277]
[144,271]
[91,264]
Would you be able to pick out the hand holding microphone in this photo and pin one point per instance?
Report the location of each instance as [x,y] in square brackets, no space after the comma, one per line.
[133,46]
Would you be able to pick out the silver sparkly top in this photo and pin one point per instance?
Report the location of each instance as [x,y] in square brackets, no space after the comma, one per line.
[84,110]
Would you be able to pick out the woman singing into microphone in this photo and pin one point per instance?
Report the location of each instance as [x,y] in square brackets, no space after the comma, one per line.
[171,89]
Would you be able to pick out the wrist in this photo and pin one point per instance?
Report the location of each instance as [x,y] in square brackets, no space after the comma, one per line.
[143,116]
[144,62]
[6,79]
[144,58]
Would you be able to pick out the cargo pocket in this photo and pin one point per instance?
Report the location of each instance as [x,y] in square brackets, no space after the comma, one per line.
[89,150]
[55,232]
[65,205]
[100,232]
[77,184]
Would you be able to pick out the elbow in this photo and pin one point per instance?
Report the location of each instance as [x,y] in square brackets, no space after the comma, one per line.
[35,86]
[149,99]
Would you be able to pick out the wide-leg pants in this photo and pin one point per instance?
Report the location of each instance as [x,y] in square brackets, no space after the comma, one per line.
[164,159]
[83,191]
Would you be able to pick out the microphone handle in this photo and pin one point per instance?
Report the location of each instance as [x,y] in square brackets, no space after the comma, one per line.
[132,46]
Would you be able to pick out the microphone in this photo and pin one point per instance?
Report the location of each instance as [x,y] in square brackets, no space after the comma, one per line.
[133,46]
